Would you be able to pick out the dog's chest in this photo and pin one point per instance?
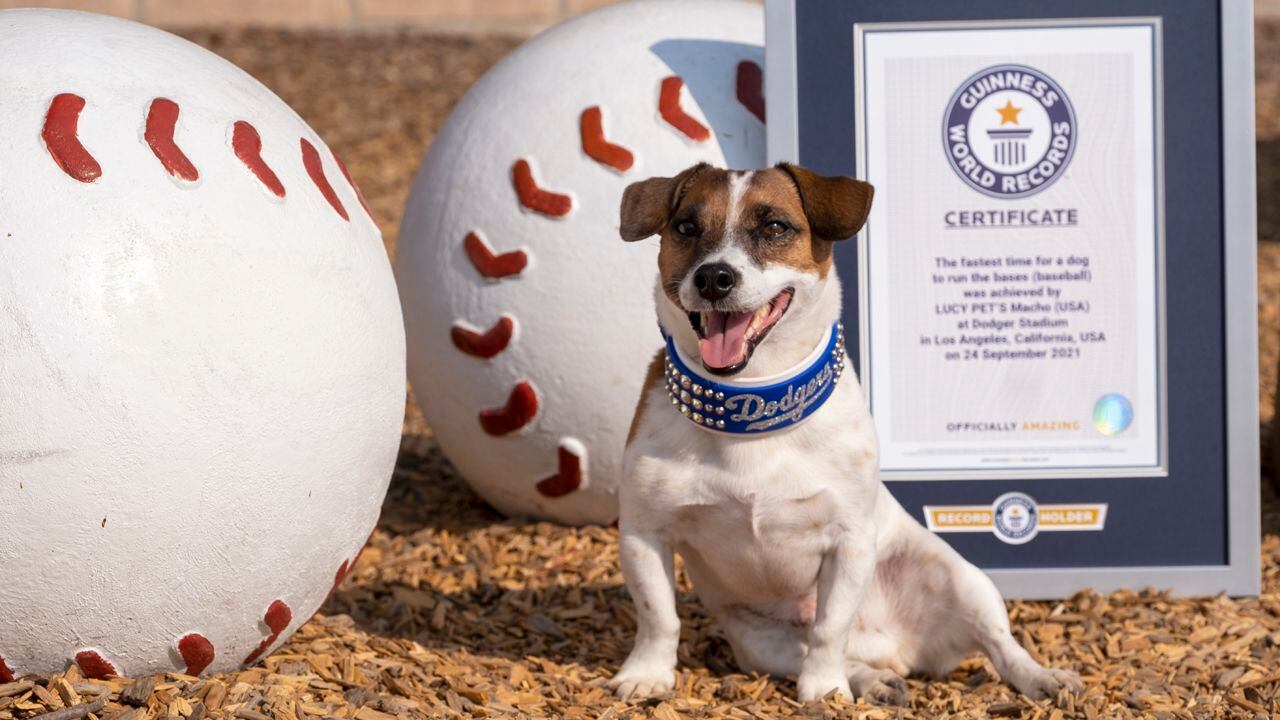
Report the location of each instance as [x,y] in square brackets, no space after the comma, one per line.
[766,498]
[757,513]
[765,530]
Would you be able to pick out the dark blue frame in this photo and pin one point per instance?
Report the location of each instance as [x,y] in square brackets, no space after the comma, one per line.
[1168,521]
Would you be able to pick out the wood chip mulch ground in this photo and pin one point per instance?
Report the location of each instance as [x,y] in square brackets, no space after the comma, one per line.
[454,611]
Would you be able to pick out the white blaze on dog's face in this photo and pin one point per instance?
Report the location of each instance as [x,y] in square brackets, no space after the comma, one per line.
[742,248]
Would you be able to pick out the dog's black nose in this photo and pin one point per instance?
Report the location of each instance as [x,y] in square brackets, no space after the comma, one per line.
[714,280]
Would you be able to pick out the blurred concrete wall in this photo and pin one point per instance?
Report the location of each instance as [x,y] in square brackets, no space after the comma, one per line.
[515,16]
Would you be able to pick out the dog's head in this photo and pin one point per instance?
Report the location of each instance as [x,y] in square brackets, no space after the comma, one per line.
[741,248]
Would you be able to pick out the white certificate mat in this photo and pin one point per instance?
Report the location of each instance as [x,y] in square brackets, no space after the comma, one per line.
[1011,283]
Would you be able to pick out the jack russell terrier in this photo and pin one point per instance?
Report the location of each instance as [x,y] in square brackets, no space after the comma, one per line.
[749,457]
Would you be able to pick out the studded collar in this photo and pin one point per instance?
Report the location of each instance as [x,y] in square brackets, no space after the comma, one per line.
[759,407]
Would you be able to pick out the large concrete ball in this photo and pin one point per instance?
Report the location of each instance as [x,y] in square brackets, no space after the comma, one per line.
[530,322]
[201,356]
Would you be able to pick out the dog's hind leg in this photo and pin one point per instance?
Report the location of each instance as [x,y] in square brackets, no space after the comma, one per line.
[940,608]
[877,685]
[980,605]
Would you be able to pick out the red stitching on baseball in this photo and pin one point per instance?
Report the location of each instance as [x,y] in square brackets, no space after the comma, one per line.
[94,666]
[485,344]
[669,108]
[6,675]
[751,88]
[311,161]
[535,198]
[354,187]
[277,619]
[162,119]
[490,265]
[597,147]
[567,478]
[521,407]
[344,570]
[196,651]
[247,145]
[61,125]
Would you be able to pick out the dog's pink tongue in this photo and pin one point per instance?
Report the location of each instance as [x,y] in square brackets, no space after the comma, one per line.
[724,341]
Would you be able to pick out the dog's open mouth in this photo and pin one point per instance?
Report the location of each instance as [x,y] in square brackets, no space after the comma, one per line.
[727,339]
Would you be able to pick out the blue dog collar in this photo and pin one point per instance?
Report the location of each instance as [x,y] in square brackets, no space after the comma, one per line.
[759,407]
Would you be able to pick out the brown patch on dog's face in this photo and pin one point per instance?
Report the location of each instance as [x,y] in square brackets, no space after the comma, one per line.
[771,216]
[696,226]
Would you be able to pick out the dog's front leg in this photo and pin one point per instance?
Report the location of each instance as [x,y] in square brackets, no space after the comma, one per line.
[649,567]
[847,568]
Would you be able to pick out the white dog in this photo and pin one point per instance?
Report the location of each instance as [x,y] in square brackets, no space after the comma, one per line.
[751,458]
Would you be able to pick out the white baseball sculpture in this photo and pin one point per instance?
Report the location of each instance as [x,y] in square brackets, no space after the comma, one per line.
[201,356]
[530,322]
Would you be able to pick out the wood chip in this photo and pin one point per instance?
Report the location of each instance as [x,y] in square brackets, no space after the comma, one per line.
[66,692]
[214,694]
[130,714]
[15,688]
[368,713]
[1005,709]
[76,711]
[138,694]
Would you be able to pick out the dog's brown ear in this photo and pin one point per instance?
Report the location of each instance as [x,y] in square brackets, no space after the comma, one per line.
[836,206]
[647,205]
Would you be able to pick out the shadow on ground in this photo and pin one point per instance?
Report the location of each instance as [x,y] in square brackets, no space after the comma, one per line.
[447,571]
[427,493]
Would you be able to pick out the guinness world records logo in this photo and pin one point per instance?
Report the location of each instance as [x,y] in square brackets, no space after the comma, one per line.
[1009,131]
[1015,518]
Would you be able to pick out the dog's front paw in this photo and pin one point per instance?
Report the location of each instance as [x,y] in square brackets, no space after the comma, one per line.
[640,678]
[810,686]
[1041,682]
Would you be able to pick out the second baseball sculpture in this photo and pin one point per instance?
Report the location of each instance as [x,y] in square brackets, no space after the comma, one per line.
[201,356]
[527,347]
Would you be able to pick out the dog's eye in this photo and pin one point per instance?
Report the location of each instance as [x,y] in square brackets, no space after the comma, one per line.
[687,229]
[774,229]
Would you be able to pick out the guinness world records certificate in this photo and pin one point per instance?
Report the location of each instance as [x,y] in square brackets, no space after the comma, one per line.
[1054,299]
[1011,285]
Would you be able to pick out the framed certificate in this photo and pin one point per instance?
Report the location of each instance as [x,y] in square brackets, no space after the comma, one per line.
[1054,296]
